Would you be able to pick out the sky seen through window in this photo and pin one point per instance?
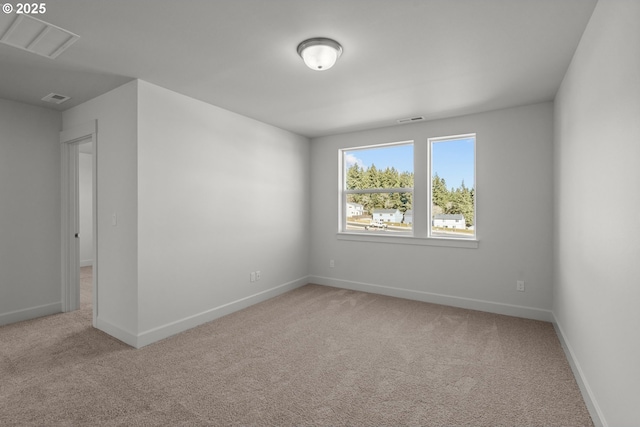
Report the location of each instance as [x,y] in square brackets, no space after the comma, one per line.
[452,160]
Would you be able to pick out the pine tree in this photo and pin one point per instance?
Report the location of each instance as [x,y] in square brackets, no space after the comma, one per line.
[461,202]
[440,196]
[354,177]
[360,178]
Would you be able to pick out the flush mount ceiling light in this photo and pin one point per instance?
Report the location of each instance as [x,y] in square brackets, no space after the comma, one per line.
[320,53]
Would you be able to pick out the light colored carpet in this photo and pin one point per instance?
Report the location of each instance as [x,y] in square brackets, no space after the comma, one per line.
[314,356]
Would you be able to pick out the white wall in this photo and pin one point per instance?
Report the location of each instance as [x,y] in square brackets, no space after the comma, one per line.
[116,148]
[29,212]
[190,184]
[85,190]
[219,196]
[514,219]
[597,155]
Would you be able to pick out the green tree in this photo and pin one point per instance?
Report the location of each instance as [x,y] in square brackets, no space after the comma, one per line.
[370,177]
[358,177]
[461,202]
[354,177]
[440,196]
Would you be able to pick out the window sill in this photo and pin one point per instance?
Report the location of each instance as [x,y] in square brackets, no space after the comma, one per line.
[410,240]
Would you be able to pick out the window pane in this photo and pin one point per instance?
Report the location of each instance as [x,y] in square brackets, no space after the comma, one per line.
[388,212]
[453,187]
[375,168]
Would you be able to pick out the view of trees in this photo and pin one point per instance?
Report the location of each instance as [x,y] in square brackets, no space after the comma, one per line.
[359,178]
[449,201]
[453,201]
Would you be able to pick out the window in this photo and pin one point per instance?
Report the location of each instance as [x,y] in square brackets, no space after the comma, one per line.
[379,180]
[452,186]
[379,198]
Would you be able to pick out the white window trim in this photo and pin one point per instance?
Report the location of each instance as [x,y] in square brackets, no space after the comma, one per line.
[405,239]
[430,142]
[421,224]
[342,202]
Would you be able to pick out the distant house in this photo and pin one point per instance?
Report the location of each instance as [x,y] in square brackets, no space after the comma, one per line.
[387,215]
[449,221]
[408,217]
[354,209]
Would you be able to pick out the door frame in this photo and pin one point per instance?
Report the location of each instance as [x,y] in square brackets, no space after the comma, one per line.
[69,141]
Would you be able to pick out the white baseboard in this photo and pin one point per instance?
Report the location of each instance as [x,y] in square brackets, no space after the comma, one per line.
[30,313]
[585,389]
[469,303]
[86,263]
[165,331]
[116,332]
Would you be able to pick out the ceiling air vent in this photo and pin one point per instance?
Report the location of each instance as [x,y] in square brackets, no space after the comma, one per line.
[33,35]
[411,119]
[55,98]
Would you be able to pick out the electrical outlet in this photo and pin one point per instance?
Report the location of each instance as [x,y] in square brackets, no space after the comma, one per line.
[520,285]
[252,276]
[258,275]
[332,263]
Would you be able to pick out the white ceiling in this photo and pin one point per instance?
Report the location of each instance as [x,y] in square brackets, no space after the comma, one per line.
[402,58]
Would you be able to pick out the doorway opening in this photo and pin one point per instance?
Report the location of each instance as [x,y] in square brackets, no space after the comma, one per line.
[85,223]
[79,219]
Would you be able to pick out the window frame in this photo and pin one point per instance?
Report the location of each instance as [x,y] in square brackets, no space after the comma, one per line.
[430,142]
[420,233]
[343,191]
